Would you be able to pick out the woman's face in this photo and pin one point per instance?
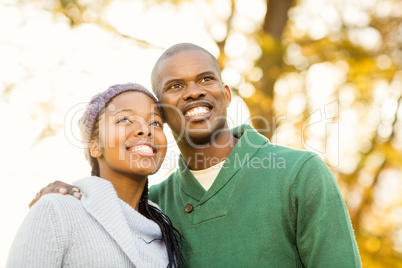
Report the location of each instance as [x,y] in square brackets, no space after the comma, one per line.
[131,138]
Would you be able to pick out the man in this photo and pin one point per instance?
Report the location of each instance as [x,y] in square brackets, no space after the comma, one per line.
[239,200]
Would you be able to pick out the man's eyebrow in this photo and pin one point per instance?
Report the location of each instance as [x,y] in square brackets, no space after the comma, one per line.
[206,73]
[174,80]
[178,80]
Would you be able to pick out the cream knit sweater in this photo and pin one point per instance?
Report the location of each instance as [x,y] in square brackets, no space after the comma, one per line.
[98,231]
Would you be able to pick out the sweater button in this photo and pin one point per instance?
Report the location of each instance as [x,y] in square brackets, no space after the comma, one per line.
[188,208]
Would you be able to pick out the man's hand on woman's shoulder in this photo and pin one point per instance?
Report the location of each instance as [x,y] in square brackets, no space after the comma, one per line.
[57,187]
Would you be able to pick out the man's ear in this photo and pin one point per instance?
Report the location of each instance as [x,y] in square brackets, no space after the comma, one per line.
[95,150]
[228,94]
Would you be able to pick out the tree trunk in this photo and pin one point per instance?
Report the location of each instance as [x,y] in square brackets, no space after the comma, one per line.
[271,64]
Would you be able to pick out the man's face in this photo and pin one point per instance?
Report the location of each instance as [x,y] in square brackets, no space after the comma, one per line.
[193,96]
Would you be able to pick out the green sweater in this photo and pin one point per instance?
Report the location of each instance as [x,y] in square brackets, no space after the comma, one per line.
[270,206]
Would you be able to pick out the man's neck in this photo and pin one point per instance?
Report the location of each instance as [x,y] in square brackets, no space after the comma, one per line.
[203,156]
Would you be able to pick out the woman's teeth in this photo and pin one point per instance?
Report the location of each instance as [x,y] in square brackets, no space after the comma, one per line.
[142,148]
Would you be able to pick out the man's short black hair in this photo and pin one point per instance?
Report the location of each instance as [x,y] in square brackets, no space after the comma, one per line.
[173,50]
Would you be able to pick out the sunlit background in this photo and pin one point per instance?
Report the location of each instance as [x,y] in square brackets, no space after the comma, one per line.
[324,75]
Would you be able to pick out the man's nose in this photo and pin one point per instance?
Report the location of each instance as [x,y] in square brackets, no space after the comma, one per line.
[194,92]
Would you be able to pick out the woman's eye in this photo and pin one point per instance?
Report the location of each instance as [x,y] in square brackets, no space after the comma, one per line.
[124,120]
[156,124]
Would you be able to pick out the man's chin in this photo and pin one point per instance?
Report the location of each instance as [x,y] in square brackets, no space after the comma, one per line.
[199,136]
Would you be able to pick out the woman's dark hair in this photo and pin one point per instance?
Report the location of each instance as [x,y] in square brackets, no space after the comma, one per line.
[170,235]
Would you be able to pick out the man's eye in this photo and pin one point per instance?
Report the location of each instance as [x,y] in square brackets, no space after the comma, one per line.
[206,79]
[124,120]
[176,86]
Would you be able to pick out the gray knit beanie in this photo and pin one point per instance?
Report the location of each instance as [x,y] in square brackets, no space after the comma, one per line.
[98,103]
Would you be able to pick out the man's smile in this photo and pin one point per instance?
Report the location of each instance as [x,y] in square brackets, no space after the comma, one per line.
[197,110]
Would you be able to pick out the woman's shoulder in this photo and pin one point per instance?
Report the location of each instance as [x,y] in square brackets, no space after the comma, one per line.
[55,213]
[57,202]
[88,182]
[93,184]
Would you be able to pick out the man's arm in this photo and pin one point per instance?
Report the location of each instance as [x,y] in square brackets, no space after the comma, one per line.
[325,235]
[57,187]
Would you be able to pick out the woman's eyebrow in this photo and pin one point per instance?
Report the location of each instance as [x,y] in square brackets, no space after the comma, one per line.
[123,110]
[156,114]
[132,111]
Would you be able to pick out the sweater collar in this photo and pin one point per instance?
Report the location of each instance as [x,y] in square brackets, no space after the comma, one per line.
[100,199]
[249,143]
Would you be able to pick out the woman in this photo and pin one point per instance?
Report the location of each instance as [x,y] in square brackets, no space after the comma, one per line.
[114,224]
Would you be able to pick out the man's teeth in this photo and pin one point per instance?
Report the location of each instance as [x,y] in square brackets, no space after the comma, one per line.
[197,111]
[142,148]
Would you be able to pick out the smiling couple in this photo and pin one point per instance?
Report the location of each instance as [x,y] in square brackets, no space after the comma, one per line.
[230,215]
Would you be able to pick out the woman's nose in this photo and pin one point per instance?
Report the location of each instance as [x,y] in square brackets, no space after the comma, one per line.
[143,130]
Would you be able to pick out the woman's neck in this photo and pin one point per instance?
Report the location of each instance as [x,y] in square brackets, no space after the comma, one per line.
[128,189]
